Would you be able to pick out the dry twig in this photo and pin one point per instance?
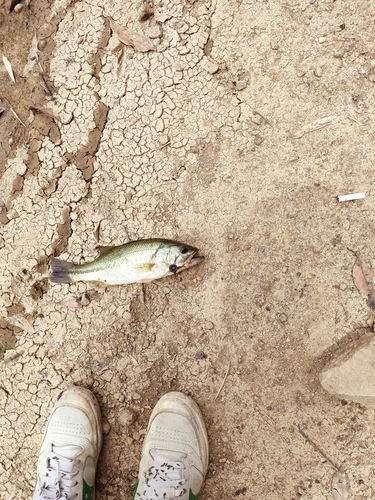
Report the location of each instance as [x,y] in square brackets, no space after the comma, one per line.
[315,446]
[222,384]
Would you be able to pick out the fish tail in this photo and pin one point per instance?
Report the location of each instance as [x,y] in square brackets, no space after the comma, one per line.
[60,271]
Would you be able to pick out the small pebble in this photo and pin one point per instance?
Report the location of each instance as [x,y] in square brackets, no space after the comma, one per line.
[338,53]
[119,396]
[322,39]
[106,426]
[318,71]
[310,276]
[42,44]
[18,7]
[85,300]
[283,317]
[342,26]
[212,67]
[241,85]
[274,46]
[343,286]
[258,140]
[230,236]
[164,139]
[125,417]
[256,119]
[200,355]
[209,325]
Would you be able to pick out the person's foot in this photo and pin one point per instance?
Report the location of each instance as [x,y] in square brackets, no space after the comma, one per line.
[175,451]
[70,448]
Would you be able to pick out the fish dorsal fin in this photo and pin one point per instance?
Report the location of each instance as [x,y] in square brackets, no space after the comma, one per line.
[102,249]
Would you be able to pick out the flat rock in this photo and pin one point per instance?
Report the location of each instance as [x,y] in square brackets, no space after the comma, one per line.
[350,374]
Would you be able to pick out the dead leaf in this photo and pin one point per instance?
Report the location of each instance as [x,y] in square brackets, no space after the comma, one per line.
[312,126]
[12,356]
[71,302]
[46,111]
[97,232]
[20,292]
[21,322]
[9,68]
[32,57]
[141,43]
[362,277]
[340,485]
[18,288]
[44,86]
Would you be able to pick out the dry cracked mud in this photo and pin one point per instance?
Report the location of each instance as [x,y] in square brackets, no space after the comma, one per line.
[235,135]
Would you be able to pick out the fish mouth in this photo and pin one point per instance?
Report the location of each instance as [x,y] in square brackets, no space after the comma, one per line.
[192,261]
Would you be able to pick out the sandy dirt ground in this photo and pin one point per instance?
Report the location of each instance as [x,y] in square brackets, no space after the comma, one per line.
[235,135]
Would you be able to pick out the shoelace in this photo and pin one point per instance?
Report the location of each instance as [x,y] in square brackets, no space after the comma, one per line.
[59,478]
[164,481]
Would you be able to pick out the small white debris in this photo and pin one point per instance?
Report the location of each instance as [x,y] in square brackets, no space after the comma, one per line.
[318,71]
[240,85]
[257,119]
[212,67]
[340,485]
[353,196]
[322,39]
[9,68]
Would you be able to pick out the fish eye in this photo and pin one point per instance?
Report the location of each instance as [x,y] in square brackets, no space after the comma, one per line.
[184,250]
[173,268]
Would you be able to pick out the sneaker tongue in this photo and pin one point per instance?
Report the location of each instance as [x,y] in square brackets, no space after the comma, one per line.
[70,451]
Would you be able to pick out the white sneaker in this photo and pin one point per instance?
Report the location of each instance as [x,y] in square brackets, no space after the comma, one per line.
[70,448]
[175,451]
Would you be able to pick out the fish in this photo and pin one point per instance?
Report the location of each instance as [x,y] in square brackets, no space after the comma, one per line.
[138,261]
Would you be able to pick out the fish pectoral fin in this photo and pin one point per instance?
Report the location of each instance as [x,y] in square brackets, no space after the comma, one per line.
[145,268]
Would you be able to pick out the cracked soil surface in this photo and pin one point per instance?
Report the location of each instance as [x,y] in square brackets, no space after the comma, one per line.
[236,135]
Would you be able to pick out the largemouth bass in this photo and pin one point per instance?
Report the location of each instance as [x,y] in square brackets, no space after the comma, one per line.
[135,262]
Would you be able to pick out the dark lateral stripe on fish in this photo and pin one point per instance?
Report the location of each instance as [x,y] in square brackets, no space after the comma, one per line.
[60,271]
